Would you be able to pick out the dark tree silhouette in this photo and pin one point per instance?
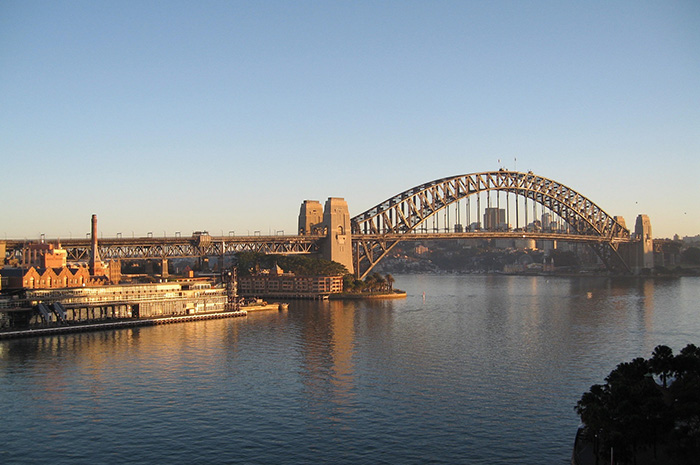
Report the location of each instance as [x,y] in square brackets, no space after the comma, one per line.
[632,414]
[662,362]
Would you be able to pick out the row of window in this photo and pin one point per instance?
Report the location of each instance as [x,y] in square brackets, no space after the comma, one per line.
[299,284]
[31,283]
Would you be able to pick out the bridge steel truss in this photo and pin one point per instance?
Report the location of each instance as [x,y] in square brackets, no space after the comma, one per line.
[377,230]
[174,247]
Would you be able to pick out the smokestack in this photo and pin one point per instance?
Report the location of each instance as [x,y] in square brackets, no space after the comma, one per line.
[95,262]
[94,235]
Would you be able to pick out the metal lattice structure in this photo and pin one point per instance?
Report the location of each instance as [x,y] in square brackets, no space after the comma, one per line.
[213,246]
[146,248]
[377,230]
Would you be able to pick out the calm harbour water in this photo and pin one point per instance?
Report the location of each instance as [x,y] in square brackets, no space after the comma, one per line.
[484,370]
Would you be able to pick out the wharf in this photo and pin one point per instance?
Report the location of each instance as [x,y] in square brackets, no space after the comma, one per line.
[130,323]
[118,324]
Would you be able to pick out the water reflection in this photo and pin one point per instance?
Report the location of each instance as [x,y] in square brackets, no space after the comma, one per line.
[485,370]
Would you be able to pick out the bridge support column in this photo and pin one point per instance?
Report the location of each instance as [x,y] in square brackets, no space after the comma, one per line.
[334,222]
[644,259]
[639,254]
[338,243]
[164,268]
[310,217]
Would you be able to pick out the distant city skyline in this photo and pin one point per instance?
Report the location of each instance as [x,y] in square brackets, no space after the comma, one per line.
[226,116]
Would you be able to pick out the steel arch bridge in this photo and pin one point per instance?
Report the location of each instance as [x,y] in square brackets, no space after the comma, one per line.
[403,216]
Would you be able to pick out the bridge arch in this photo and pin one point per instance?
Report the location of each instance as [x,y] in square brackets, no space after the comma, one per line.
[407,211]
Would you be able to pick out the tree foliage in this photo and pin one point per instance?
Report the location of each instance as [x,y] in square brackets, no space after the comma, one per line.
[373,283]
[250,262]
[633,412]
[564,258]
[691,256]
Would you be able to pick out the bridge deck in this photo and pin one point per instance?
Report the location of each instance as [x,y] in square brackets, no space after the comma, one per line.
[540,236]
[187,247]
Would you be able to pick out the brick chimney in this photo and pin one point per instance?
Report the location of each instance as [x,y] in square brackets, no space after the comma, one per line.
[96,266]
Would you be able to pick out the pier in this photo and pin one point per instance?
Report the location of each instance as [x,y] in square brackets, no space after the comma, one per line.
[118,324]
[130,323]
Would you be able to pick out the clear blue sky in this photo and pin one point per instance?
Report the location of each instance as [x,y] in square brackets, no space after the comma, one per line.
[169,116]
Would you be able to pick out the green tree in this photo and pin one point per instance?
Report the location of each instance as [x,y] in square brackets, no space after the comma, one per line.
[379,282]
[564,258]
[691,256]
[360,285]
[250,262]
[348,283]
[390,281]
[247,261]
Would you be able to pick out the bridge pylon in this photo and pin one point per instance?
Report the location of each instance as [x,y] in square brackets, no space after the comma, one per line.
[639,253]
[334,223]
